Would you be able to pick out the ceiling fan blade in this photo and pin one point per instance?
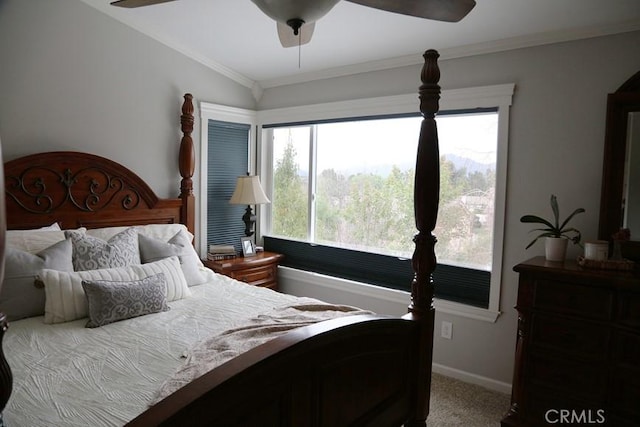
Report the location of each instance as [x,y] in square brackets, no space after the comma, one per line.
[288,39]
[439,10]
[137,3]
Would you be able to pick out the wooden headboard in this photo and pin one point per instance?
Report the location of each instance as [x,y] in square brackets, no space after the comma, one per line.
[85,190]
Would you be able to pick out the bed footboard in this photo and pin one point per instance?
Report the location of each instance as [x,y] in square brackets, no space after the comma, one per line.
[356,370]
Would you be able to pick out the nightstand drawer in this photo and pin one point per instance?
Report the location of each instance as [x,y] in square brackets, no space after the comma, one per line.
[259,270]
[259,276]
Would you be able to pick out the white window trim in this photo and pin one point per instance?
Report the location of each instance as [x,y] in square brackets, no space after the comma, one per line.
[209,111]
[455,99]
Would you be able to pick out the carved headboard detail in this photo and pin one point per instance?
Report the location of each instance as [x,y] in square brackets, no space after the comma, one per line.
[80,189]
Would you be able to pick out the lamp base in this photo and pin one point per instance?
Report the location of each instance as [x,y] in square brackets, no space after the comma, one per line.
[249,219]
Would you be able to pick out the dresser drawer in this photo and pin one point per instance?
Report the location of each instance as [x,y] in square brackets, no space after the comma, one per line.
[581,379]
[626,349]
[258,276]
[629,309]
[625,393]
[582,339]
[569,298]
[545,407]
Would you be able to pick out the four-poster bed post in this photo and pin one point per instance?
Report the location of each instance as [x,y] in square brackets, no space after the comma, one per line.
[426,198]
[187,162]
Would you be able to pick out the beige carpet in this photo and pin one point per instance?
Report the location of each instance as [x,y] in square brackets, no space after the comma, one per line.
[459,404]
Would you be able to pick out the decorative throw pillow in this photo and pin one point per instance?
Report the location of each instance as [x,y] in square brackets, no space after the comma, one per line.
[65,300]
[91,253]
[20,298]
[112,301]
[179,245]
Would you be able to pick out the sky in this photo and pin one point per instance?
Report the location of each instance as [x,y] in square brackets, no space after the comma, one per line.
[392,141]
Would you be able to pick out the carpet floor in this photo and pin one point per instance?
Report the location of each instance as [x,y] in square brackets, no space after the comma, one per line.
[458,404]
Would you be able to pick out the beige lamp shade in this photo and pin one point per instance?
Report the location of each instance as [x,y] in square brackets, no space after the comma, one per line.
[248,191]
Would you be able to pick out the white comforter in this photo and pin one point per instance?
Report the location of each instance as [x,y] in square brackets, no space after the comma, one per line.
[69,375]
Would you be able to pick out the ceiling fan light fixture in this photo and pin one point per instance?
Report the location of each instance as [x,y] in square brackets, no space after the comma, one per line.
[307,11]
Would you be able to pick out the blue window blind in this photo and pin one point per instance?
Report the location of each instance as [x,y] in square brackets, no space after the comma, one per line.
[452,283]
[228,154]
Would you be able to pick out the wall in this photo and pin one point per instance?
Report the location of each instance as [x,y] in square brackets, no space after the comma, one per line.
[556,144]
[73,78]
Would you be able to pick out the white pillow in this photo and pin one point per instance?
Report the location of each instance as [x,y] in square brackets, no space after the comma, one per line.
[65,299]
[53,227]
[33,241]
[162,232]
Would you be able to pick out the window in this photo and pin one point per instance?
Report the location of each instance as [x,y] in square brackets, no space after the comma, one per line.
[230,143]
[227,151]
[364,201]
[342,191]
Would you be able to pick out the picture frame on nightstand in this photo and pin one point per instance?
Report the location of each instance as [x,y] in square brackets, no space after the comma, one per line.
[248,248]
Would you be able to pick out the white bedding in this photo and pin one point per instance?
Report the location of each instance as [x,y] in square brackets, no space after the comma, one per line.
[69,375]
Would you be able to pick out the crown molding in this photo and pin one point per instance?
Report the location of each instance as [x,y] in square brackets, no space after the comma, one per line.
[257,87]
[185,50]
[456,52]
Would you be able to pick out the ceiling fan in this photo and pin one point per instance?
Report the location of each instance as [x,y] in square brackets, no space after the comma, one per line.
[296,18]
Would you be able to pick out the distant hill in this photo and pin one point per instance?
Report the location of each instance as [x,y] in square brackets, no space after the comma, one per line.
[470,165]
[384,169]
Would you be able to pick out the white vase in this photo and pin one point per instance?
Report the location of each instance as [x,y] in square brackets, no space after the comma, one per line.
[555,248]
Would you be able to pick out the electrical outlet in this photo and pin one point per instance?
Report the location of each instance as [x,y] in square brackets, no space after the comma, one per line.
[446,330]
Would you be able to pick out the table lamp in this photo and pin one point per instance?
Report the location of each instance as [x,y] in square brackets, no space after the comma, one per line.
[248,192]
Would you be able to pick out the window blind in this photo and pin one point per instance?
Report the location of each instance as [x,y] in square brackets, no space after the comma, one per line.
[228,154]
[453,283]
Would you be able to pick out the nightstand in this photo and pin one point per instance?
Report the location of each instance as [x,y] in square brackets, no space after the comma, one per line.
[260,270]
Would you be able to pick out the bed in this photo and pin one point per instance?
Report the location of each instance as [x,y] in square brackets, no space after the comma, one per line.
[325,365]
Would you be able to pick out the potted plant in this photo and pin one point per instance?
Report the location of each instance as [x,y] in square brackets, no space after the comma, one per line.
[557,234]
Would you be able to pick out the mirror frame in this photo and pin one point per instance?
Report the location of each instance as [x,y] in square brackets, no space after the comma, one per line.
[619,104]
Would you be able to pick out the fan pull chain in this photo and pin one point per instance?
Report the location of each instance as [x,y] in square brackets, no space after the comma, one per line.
[299,46]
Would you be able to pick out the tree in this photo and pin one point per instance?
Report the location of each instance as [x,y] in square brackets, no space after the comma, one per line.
[289,204]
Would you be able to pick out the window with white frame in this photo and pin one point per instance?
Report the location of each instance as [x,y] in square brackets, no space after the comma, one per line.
[342,190]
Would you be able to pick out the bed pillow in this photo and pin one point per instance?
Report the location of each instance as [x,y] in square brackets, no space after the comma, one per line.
[111,301]
[33,241]
[179,245]
[20,297]
[92,253]
[65,299]
[163,232]
[53,227]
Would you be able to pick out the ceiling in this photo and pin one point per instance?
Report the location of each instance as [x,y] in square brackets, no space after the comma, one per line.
[236,39]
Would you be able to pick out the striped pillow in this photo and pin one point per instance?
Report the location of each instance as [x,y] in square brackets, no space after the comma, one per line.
[65,299]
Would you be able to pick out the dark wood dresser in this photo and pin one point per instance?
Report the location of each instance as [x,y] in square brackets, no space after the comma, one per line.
[577,356]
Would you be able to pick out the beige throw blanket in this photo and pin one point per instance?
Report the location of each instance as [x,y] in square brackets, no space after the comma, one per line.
[214,351]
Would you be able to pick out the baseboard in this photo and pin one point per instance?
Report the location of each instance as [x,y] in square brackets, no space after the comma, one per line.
[468,377]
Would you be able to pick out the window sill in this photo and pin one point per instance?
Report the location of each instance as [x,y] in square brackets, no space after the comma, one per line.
[315,285]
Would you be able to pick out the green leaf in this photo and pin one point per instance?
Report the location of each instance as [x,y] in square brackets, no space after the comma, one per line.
[536,219]
[576,212]
[555,209]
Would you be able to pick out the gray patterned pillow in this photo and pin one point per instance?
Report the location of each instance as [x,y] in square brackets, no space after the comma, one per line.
[91,253]
[111,301]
